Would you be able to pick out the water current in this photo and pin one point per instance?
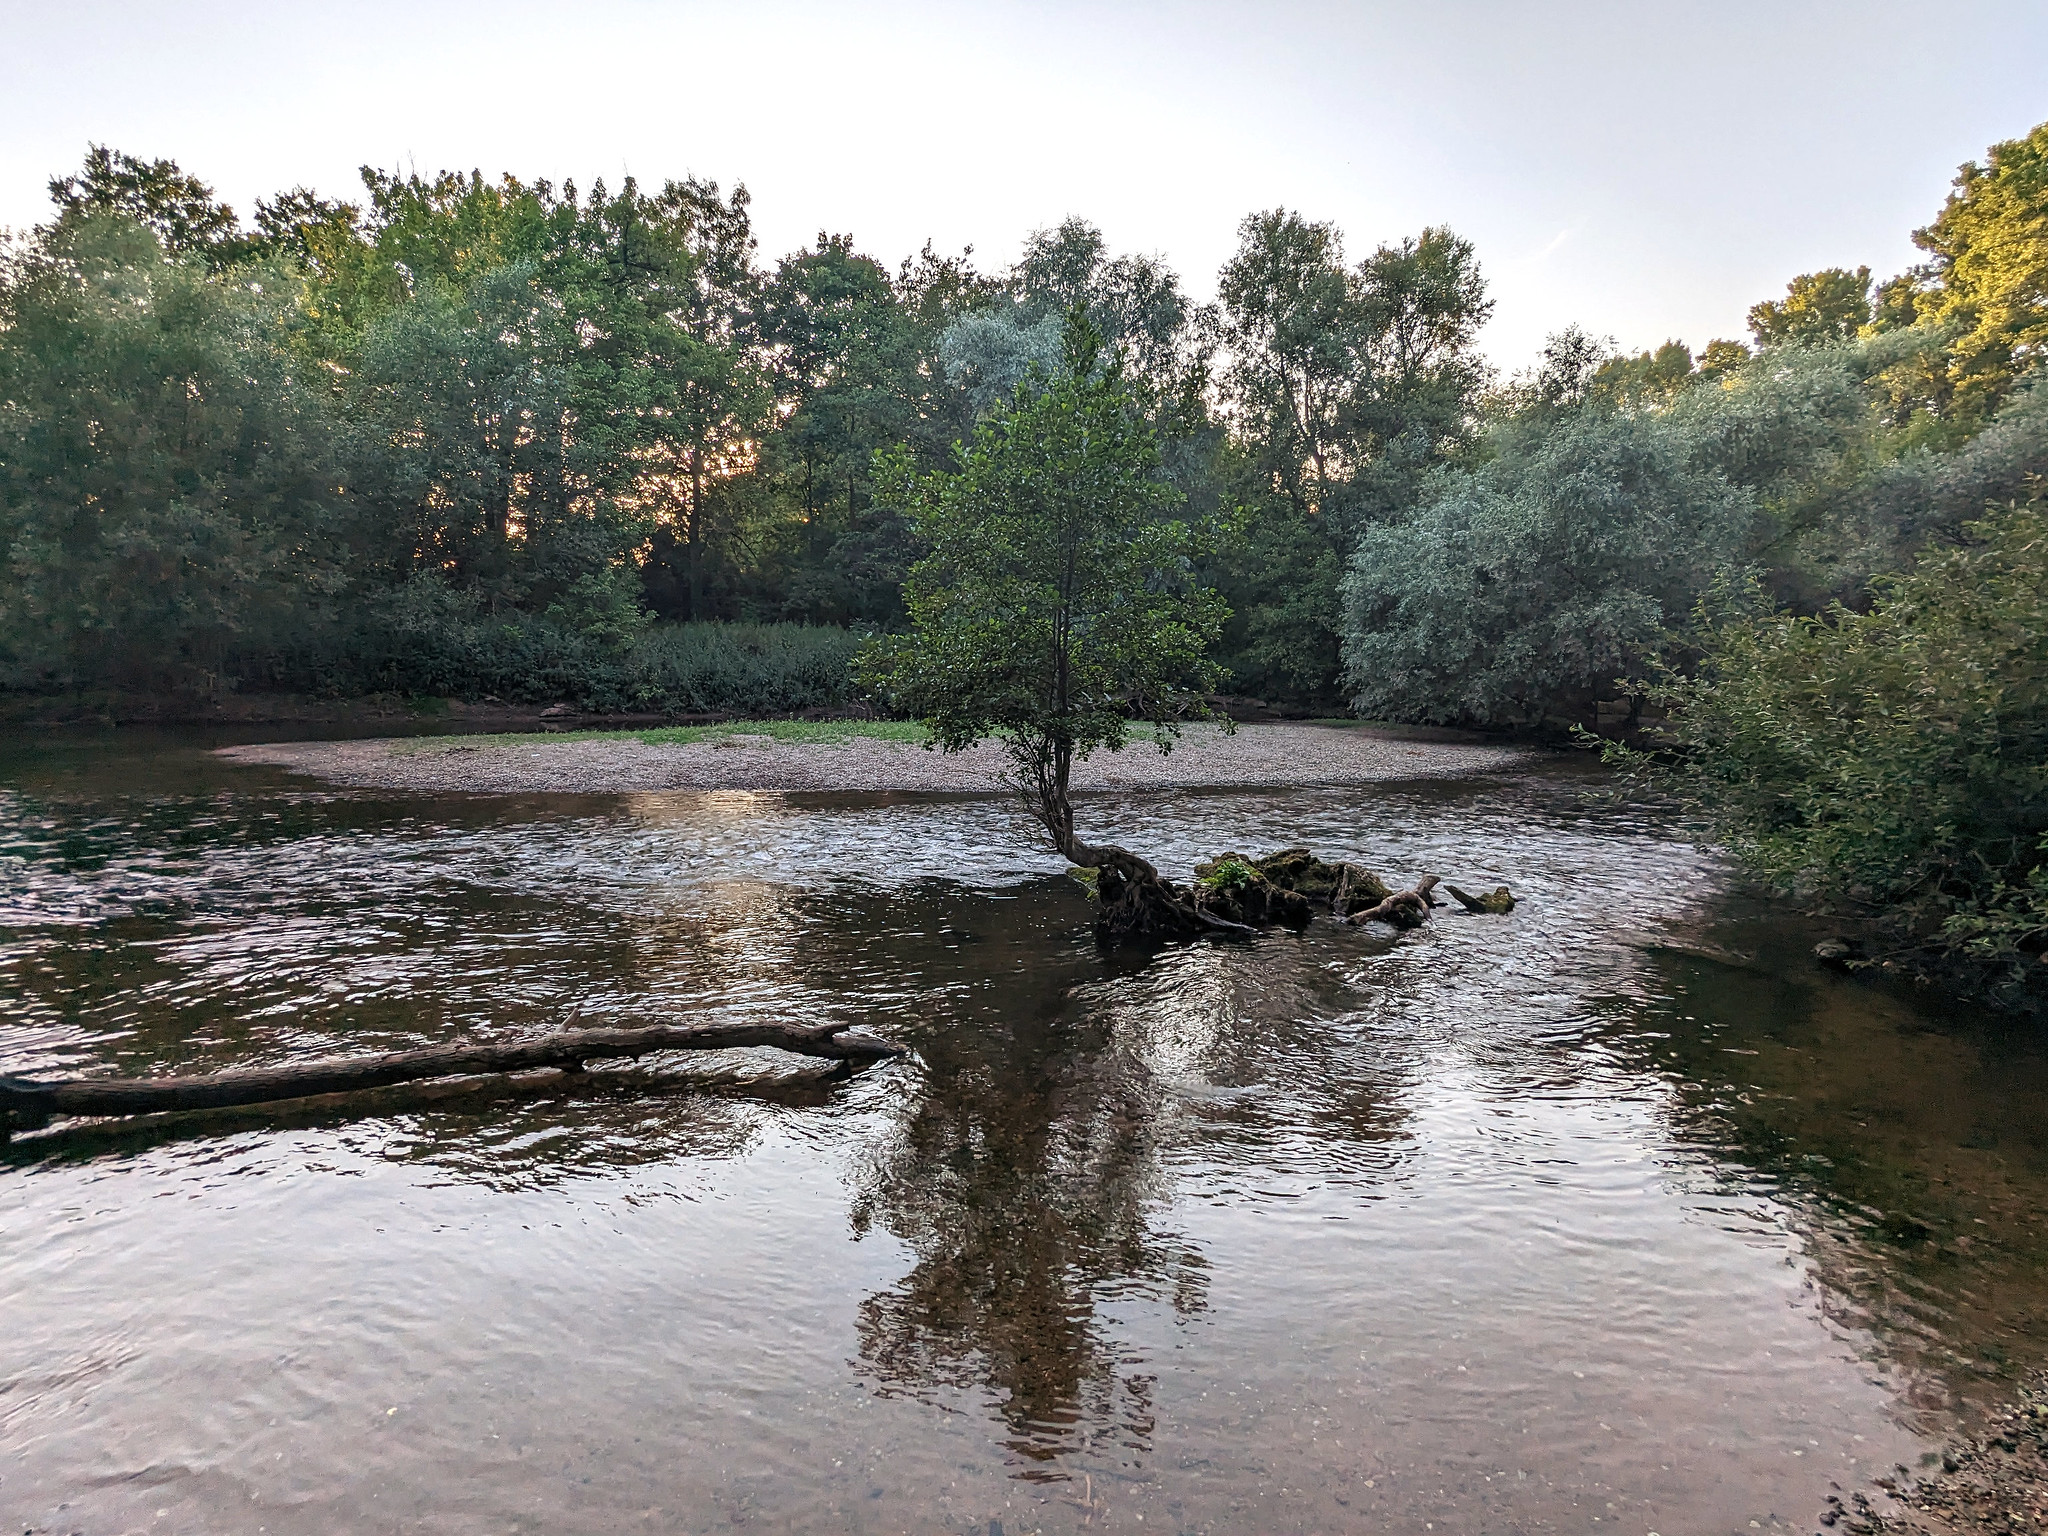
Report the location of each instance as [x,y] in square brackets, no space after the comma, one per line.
[1615,1214]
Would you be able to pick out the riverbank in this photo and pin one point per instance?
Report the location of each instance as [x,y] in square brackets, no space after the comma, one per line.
[1255,756]
[1995,1480]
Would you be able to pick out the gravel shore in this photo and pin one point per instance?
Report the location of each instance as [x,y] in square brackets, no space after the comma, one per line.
[1993,1481]
[1257,756]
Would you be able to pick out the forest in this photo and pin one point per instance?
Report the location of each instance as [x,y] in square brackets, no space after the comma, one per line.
[504,438]
[511,440]
[472,437]
[501,438]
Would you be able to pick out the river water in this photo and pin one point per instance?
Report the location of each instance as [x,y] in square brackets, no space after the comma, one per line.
[1615,1214]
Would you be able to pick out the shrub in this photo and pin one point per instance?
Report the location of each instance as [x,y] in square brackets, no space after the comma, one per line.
[1894,761]
[1533,583]
[428,644]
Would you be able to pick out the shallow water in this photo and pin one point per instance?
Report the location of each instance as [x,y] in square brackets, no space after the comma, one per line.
[1614,1214]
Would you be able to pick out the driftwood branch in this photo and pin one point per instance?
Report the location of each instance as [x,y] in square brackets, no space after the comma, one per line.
[25,1100]
[1403,909]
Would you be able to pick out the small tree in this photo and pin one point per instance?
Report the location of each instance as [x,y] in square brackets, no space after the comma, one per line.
[1057,605]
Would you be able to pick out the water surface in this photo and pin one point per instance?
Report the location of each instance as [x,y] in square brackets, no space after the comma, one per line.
[1615,1213]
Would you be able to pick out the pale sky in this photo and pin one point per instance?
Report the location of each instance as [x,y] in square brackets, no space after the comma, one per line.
[1646,170]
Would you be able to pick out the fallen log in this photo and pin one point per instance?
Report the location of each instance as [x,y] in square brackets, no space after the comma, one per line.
[24,1102]
[67,1136]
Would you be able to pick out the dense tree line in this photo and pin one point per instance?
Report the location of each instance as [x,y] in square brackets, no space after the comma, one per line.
[470,435]
[465,435]
[1557,558]
[1820,562]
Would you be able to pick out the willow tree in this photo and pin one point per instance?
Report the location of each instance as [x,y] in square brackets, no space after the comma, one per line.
[1057,607]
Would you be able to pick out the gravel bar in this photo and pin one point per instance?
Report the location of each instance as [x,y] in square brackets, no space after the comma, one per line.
[1255,757]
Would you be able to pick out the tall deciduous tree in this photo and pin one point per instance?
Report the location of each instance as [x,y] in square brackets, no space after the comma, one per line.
[1295,343]
[1989,272]
[179,209]
[1818,308]
[168,495]
[1343,387]
[847,362]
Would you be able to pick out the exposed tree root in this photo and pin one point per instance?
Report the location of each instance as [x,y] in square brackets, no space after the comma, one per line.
[1236,894]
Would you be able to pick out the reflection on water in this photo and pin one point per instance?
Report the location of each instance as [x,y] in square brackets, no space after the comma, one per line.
[1612,1213]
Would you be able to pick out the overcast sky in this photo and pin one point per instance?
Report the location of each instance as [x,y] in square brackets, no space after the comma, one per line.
[1647,170]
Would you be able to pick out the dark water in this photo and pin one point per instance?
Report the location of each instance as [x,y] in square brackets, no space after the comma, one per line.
[1615,1214]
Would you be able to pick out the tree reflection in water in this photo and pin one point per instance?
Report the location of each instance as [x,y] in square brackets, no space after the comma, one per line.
[1026,1179]
[1065,1101]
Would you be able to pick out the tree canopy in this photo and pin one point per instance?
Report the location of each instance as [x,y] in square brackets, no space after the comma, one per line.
[1057,604]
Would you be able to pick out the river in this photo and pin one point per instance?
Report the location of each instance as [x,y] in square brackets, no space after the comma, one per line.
[1617,1213]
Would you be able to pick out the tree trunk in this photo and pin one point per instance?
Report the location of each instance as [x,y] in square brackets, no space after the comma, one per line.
[693,548]
[1132,901]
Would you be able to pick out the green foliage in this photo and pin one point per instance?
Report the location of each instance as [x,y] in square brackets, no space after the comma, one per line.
[1057,602]
[1134,303]
[1988,278]
[1528,585]
[1718,358]
[462,439]
[167,482]
[430,643]
[1894,760]
[1280,576]
[1349,380]
[1228,874]
[180,210]
[1818,308]
[1617,492]
[857,353]
[1651,378]
[1524,588]
[1347,387]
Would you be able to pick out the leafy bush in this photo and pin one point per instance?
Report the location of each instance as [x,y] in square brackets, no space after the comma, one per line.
[1527,586]
[429,645]
[1536,581]
[766,668]
[1227,874]
[1894,761]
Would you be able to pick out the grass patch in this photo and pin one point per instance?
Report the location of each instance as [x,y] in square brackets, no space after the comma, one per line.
[828,732]
[785,730]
